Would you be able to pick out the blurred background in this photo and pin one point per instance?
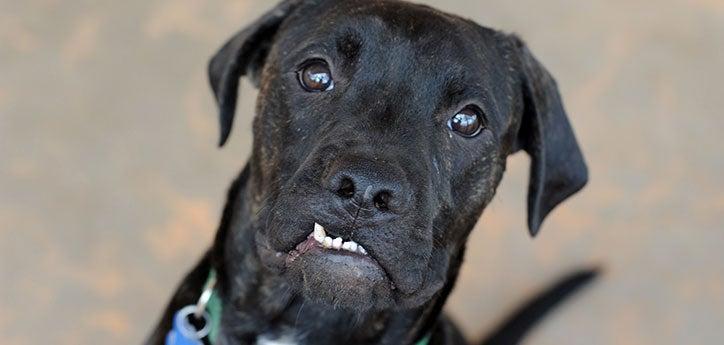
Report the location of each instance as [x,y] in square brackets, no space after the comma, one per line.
[111,185]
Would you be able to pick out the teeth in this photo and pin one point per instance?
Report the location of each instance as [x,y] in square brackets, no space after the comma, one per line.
[320,235]
[327,243]
[337,243]
[350,246]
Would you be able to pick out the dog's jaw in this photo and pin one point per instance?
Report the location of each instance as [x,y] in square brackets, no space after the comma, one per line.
[334,272]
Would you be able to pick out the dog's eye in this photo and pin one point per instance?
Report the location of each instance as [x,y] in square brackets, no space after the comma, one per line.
[315,76]
[467,122]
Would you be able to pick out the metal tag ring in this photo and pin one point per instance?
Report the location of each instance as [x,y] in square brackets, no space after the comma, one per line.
[186,328]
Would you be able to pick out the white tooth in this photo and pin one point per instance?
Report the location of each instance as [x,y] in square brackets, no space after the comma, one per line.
[352,246]
[362,250]
[327,243]
[345,246]
[337,243]
[319,233]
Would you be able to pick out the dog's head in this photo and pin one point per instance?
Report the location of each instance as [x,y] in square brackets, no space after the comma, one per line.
[382,131]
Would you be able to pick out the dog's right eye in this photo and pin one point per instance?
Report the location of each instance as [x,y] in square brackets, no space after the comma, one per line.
[315,76]
[468,122]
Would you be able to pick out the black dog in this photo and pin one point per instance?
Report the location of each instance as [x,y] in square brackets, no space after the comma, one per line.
[386,127]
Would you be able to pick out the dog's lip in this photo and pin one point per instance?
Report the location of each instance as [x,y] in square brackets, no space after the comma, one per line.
[311,245]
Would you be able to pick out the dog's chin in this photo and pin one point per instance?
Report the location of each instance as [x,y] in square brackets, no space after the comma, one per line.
[346,275]
[345,280]
[342,279]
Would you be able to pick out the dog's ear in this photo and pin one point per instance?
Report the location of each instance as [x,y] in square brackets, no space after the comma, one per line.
[243,55]
[558,169]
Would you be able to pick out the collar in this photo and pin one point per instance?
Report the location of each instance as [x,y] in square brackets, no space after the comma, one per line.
[213,308]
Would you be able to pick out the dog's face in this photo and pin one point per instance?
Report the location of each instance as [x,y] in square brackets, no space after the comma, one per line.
[381,133]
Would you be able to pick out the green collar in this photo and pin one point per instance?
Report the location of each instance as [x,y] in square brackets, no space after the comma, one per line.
[424,341]
[213,308]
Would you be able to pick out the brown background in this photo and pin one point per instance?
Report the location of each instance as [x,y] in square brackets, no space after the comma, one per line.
[110,184]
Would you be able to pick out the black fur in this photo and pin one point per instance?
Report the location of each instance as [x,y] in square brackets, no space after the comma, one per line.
[401,71]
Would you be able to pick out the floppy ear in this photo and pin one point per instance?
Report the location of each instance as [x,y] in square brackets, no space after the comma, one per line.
[558,169]
[243,55]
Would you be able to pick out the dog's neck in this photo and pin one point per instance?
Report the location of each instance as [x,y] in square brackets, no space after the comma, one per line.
[258,303]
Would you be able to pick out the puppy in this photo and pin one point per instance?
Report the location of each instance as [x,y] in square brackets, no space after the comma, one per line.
[382,130]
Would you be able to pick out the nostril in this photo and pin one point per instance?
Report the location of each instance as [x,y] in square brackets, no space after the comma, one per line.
[346,188]
[382,201]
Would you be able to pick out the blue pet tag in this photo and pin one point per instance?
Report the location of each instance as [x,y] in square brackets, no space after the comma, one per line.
[183,332]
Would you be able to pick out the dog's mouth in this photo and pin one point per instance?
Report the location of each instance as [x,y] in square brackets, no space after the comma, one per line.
[318,239]
[336,257]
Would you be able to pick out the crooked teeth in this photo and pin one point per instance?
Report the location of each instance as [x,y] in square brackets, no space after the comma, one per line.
[327,243]
[320,235]
[337,243]
[350,246]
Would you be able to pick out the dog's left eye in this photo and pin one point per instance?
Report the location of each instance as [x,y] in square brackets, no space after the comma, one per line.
[315,76]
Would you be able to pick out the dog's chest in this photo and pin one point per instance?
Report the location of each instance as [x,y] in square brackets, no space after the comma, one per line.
[270,339]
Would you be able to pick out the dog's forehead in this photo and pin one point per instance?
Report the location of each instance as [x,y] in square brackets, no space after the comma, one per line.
[404,19]
[388,23]
[411,35]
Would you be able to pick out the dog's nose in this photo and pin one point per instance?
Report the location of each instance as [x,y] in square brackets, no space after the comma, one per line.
[371,188]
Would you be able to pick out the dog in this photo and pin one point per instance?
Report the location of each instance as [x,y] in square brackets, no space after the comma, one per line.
[382,130]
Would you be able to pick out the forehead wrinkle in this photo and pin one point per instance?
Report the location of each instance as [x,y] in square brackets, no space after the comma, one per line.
[400,18]
[349,43]
[319,34]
